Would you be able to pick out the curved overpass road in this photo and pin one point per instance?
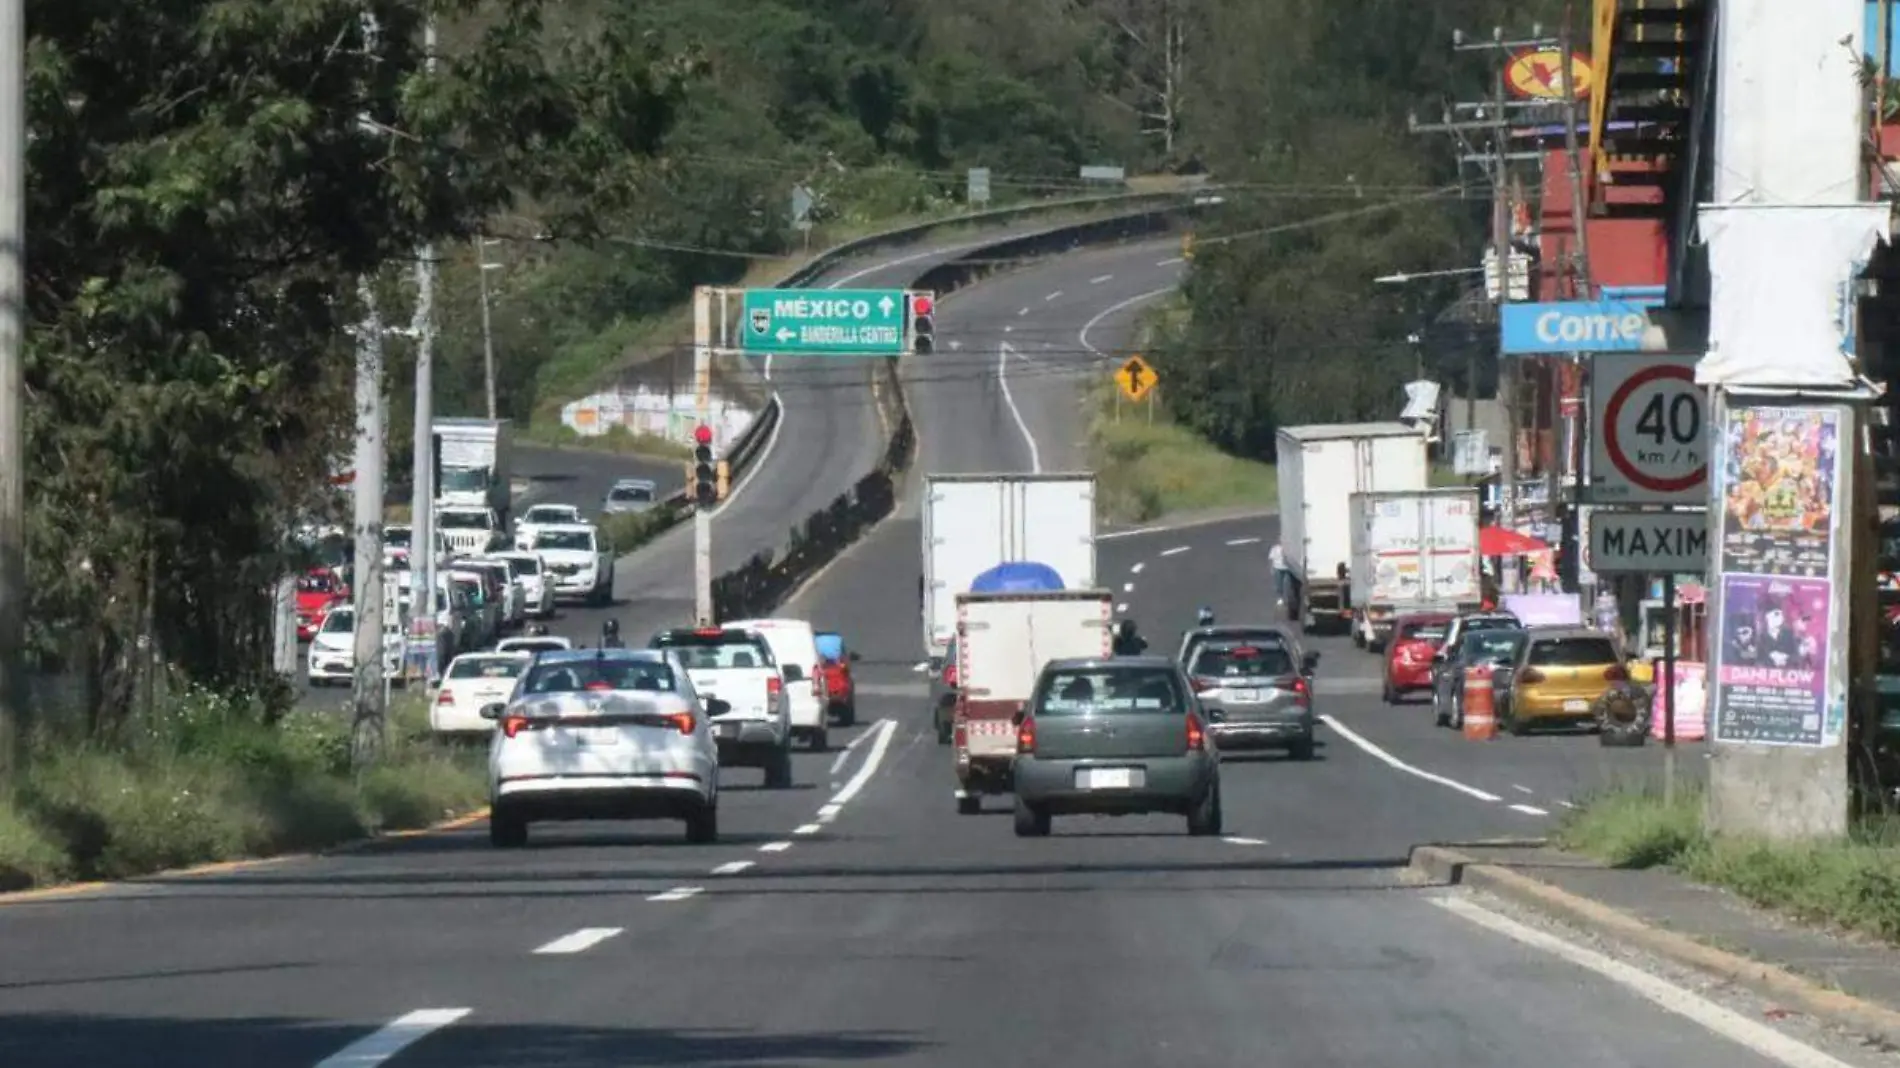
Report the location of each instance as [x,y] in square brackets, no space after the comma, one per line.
[887,929]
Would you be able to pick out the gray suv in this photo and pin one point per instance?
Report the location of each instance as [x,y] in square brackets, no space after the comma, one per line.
[1258,694]
[1115,737]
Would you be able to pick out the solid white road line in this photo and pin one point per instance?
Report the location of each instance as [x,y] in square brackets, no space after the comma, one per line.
[1243,541]
[1394,762]
[583,939]
[1099,279]
[1136,570]
[1234,840]
[1082,335]
[807,828]
[1176,551]
[678,893]
[397,1035]
[884,730]
[732,867]
[1749,1034]
[775,847]
[1529,810]
[1002,377]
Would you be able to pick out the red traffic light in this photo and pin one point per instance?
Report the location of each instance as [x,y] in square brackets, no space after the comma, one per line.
[921,305]
[703,434]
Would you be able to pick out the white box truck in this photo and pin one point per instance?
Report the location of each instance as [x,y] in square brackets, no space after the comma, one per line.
[971,523]
[1412,551]
[1320,468]
[1003,642]
[473,464]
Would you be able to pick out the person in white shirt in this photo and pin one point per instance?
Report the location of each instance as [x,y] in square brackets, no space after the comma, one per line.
[1276,556]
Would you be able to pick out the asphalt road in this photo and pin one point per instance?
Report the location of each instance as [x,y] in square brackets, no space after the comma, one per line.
[858,919]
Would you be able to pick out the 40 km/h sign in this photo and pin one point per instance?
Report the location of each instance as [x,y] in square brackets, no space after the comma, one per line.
[1650,439]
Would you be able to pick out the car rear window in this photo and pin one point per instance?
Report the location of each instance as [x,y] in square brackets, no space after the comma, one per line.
[630,493]
[1423,632]
[550,515]
[1492,645]
[1573,652]
[575,676]
[1110,691]
[487,667]
[713,652]
[530,645]
[524,565]
[566,540]
[1242,661]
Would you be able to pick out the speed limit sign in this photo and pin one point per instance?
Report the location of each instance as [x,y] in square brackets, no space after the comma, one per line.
[1649,441]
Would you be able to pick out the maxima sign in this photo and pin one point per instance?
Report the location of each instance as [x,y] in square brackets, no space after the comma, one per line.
[1577,326]
[1648,543]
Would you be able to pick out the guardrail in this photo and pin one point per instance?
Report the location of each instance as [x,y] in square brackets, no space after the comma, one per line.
[759,585]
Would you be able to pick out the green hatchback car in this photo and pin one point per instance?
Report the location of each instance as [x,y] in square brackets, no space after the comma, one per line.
[1116,737]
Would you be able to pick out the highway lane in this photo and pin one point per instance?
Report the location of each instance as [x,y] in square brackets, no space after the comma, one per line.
[1503,787]
[583,476]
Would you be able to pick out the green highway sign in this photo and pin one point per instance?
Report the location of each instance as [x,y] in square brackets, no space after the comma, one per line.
[824,322]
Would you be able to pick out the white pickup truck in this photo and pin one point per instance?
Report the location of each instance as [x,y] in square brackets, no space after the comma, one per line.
[579,559]
[736,666]
[471,531]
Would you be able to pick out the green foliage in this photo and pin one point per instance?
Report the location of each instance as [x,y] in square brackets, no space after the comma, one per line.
[1285,324]
[206,780]
[628,531]
[1849,885]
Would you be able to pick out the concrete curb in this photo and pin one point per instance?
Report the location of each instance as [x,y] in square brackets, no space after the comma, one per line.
[1450,867]
[68,891]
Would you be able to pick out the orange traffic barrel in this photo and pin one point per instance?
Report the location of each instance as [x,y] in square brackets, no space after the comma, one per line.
[1480,714]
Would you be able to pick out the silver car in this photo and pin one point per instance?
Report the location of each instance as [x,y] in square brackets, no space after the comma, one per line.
[630,495]
[1115,737]
[1257,694]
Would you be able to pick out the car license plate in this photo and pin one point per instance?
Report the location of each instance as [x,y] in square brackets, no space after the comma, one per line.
[1576,704]
[1245,697]
[592,738]
[728,730]
[1106,778]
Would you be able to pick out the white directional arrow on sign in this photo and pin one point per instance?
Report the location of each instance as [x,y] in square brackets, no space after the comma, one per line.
[886,305]
[786,333]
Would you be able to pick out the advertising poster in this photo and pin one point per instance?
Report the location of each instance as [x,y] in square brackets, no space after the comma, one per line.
[1779,488]
[1690,686]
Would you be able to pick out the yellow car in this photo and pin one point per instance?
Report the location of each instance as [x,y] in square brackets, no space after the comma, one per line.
[1558,675]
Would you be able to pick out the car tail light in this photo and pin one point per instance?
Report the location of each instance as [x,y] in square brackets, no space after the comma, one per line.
[1530,675]
[1196,736]
[1026,735]
[960,733]
[445,698]
[682,722]
[708,632]
[513,725]
[1204,685]
[950,676]
[1615,673]
[773,687]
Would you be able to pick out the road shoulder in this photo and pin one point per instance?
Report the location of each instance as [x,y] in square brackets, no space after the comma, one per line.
[1848,982]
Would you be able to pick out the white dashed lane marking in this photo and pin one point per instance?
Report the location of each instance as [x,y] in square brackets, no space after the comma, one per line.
[584,939]
[808,828]
[1529,810]
[1176,551]
[1231,840]
[732,867]
[1136,570]
[1052,296]
[678,893]
[1128,587]
[1243,541]
[775,847]
[394,1037]
[1170,261]
[1522,789]
[1099,279]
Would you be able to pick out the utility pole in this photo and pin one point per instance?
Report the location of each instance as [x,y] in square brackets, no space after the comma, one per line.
[1573,445]
[367,694]
[15,724]
[482,267]
[422,481]
[702,398]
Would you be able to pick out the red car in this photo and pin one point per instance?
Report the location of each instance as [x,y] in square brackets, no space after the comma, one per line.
[317,590]
[1408,655]
[834,661]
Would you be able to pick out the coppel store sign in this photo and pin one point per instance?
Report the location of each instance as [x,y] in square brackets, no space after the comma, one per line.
[1574,326]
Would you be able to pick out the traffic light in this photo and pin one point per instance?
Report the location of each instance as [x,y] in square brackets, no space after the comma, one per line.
[705,475]
[923,327]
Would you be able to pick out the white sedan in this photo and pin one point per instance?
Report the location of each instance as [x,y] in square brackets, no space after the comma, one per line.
[473,682]
[604,734]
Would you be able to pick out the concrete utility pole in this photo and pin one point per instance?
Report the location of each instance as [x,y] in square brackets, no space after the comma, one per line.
[422,499]
[367,693]
[702,399]
[15,721]
[482,267]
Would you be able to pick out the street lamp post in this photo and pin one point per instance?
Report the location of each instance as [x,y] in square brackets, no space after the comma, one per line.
[1471,353]
[488,331]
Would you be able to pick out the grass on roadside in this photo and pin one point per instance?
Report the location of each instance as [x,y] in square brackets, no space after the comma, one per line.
[629,531]
[617,440]
[1851,885]
[207,780]
[1147,466]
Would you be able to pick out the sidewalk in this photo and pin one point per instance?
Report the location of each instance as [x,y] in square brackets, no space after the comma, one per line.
[1849,981]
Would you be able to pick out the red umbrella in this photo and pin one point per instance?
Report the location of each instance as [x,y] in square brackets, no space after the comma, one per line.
[1497,541]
